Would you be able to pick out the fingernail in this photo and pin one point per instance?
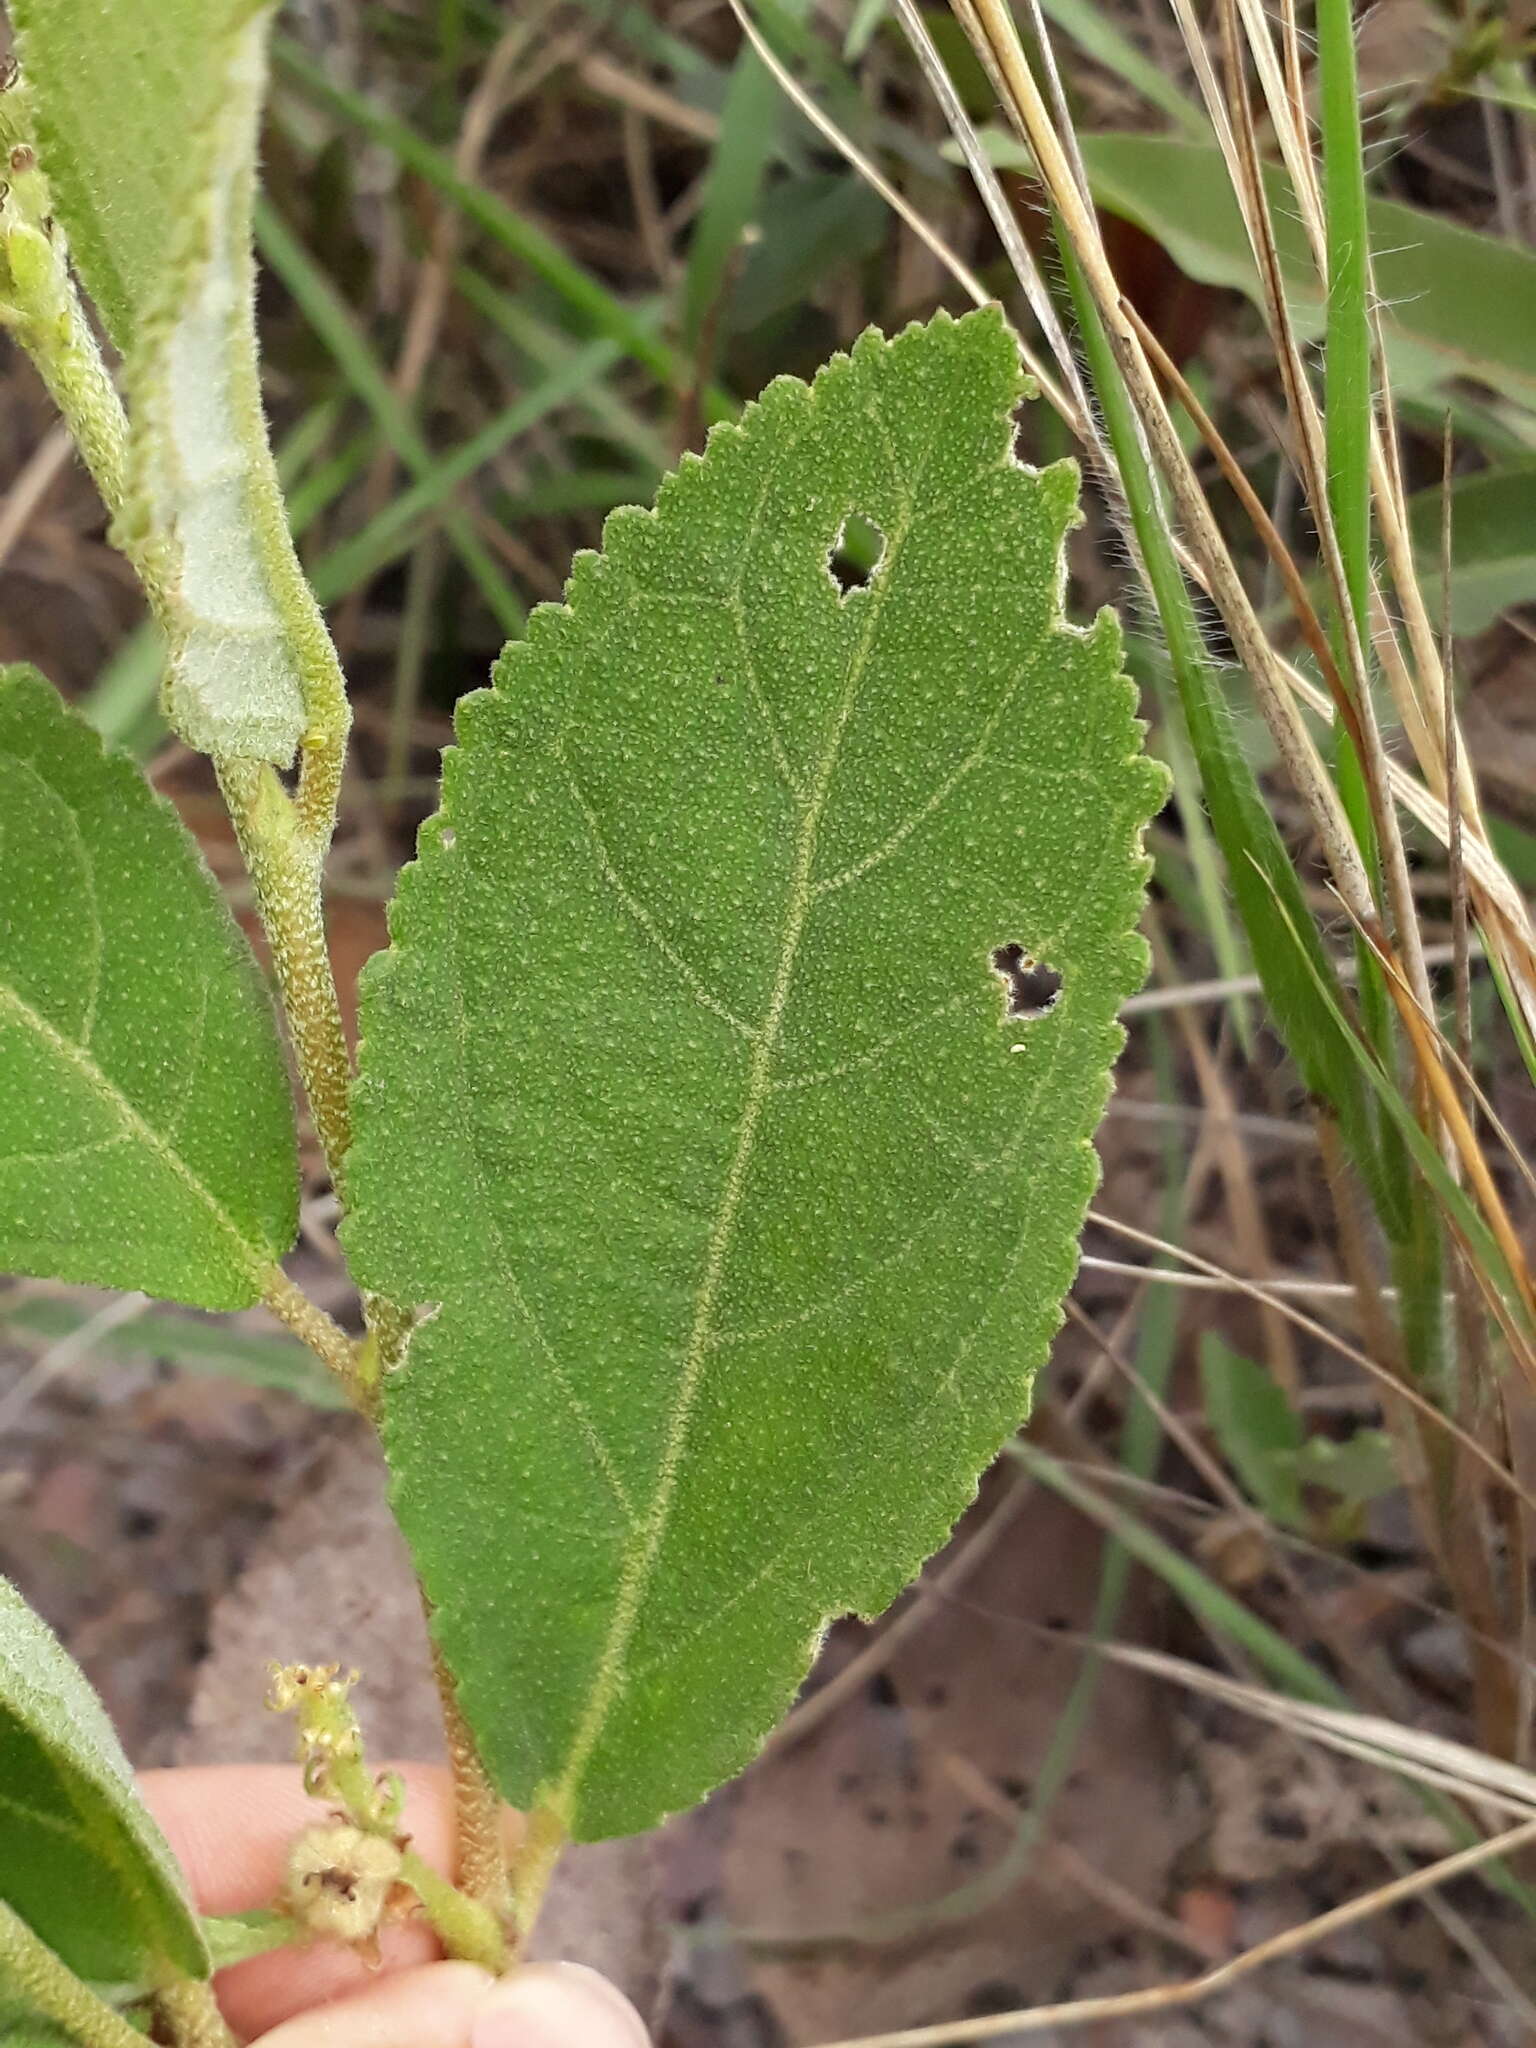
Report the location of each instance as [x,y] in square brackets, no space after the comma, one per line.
[557,2005]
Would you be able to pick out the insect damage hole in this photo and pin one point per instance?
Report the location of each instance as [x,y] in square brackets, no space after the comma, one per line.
[856,554]
[1032,986]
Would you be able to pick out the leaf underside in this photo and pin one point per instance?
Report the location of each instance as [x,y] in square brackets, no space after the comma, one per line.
[146,1129]
[83,1863]
[147,116]
[124,94]
[690,1094]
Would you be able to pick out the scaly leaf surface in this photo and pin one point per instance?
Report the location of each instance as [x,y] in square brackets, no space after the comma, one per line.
[146,1128]
[84,1864]
[690,1095]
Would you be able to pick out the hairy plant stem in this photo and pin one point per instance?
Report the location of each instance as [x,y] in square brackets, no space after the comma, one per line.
[482,1867]
[533,1867]
[284,839]
[312,1326]
[191,2015]
[467,1928]
[51,326]
[286,858]
[32,1971]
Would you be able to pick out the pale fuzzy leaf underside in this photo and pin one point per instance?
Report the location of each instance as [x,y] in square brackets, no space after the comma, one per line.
[148,119]
[691,1097]
[124,90]
[146,1130]
[83,1864]
[202,492]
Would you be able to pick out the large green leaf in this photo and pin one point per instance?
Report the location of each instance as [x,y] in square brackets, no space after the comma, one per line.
[124,92]
[690,1094]
[1493,543]
[146,1130]
[83,1863]
[1458,303]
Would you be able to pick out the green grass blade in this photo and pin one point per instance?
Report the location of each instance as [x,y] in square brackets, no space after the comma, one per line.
[258,1358]
[1287,949]
[598,308]
[1349,403]
[1091,27]
[333,322]
[550,350]
[1214,917]
[391,531]
[754,108]
[1218,1610]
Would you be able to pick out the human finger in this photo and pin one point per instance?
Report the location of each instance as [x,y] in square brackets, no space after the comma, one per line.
[232,1826]
[453,2005]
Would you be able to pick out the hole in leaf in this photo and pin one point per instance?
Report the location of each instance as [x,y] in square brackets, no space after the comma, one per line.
[856,553]
[1033,988]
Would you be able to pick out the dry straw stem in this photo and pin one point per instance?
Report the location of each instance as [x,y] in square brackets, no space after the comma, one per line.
[1428,1043]
[1073,409]
[1080,415]
[1410,1752]
[1398,1389]
[992,31]
[1502,911]
[1420,693]
[1171,1997]
[990,28]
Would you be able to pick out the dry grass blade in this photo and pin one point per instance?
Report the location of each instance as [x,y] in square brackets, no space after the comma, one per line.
[1354,703]
[1431,1759]
[1428,1043]
[1421,693]
[48,460]
[1084,2012]
[994,35]
[872,175]
[1079,414]
[1073,408]
[1397,1388]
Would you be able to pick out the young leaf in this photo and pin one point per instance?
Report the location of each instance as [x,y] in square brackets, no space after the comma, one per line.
[691,1090]
[148,137]
[122,92]
[1493,554]
[84,1864]
[146,1130]
[1256,1428]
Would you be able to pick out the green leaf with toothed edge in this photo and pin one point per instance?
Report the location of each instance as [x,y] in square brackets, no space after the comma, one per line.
[146,1128]
[84,1864]
[690,1097]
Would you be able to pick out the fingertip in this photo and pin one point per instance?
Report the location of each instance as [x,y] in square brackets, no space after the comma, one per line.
[433,2007]
[557,2005]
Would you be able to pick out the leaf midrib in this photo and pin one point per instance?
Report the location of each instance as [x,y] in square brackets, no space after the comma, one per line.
[135,1126]
[640,1558]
